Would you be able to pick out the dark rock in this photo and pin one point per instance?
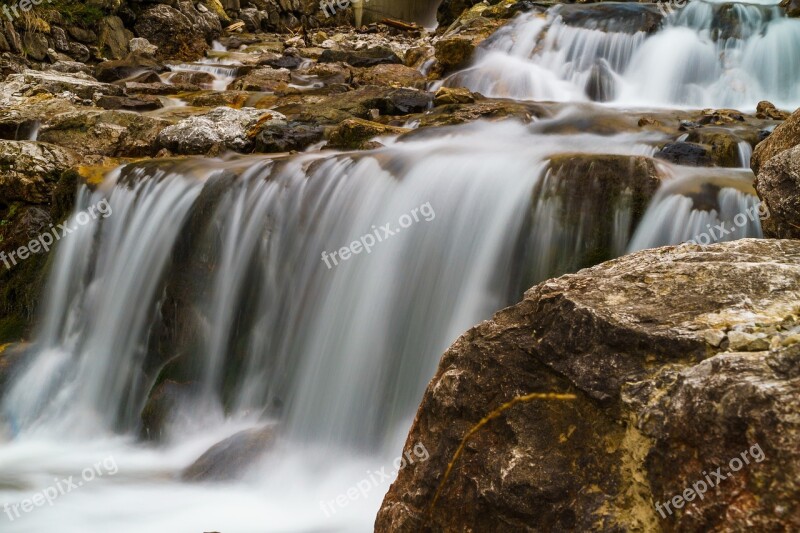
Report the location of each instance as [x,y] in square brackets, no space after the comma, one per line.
[232,457]
[172,32]
[143,103]
[354,133]
[294,136]
[659,400]
[724,145]
[163,406]
[131,65]
[369,57]
[684,153]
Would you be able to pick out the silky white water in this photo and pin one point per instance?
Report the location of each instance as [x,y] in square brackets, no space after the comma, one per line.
[214,272]
[707,54]
[338,357]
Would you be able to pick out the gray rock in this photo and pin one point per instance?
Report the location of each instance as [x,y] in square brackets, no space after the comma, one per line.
[29,170]
[223,128]
[82,85]
[232,457]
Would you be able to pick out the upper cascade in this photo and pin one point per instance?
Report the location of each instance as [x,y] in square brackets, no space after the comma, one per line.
[706,54]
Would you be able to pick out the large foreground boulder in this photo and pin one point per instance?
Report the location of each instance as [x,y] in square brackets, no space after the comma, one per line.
[684,368]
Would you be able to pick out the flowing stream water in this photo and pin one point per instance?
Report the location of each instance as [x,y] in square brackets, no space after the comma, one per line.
[214,271]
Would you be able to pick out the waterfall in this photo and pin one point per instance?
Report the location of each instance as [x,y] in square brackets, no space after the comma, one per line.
[701,205]
[709,53]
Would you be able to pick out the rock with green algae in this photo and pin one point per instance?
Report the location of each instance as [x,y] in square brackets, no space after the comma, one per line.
[656,405]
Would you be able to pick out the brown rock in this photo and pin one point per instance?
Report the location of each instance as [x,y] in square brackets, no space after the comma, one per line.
[777,185]
[785,136]
[656,405]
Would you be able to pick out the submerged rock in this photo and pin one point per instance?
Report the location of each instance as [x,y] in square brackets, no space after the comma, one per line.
[221,129]
[231,458]
[660,400]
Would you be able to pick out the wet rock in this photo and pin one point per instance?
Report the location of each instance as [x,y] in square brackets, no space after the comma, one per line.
[132,65]
[354,133]
[30,170]
[453,95]
[392,75]
[452,114]
[232,457]
[262,79]
[294,136]
[454,53]
[140,104]
[32,82]
[201,79]
[655,405]
[158,88]
[107,133]
[613,17]
[778,185]
[785,136]
[368,57]
[12,357]
[163,406]
[767,110]
[724,146]
[221,129]
[685,153]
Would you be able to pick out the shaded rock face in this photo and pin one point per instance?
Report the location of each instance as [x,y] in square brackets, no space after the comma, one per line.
[665,391]
[785,136]
[777,184]
[172,32]
[686,153]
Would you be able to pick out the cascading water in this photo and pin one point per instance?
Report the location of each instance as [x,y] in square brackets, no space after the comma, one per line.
[211,274]
[709,53]
[228,253]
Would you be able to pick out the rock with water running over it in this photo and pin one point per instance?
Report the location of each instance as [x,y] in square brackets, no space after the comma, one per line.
[232,457]
[660,397]
[685,153]
[354,134]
